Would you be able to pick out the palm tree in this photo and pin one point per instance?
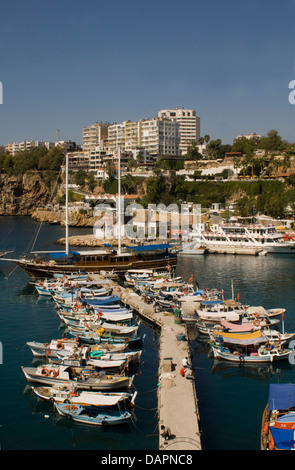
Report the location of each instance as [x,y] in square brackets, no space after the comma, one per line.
[207,138]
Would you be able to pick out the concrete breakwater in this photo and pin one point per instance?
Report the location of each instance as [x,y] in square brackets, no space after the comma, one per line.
[177,399]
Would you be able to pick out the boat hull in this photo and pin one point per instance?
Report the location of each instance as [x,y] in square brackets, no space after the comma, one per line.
[103,384]
[49,269]
[265,358]
[100,419]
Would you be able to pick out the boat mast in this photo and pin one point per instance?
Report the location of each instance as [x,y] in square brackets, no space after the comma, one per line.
[119,201]
[67,205]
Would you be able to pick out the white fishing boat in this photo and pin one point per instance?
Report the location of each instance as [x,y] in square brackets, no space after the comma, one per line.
[247,347]
[54,347]
[80,377]
[64,393]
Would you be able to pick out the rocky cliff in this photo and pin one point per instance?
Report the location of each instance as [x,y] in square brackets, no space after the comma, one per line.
[20,194]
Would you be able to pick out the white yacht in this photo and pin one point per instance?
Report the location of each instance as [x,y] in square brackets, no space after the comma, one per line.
[240,238]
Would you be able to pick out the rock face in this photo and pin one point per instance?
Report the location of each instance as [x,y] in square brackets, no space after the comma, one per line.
[20,194]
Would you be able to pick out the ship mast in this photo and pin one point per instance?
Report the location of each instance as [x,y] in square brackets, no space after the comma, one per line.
[119,202]
[67,206]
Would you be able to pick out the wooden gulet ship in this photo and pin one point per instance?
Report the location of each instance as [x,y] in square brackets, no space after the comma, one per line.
[157,256]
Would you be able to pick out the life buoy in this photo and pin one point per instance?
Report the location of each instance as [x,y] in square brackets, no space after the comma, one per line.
[44,372]
[256,322]
[53,373]
[60,346]
[75,309]
[268,346]
[265,429]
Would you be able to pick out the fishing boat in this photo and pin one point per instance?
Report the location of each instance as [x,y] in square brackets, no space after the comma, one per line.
[80,377]
[55,346]
[248,348]
[99,358]
[93,337]
[92,415]
[278,420]
[103,330]
[65,394]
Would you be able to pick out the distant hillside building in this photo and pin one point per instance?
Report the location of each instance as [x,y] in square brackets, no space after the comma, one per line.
[95,135]
[189,125]
[250,136]
[26,145]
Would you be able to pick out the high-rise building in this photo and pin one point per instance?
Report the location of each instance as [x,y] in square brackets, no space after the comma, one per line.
[189,125]
[116,137]
[95,135]
[155,136]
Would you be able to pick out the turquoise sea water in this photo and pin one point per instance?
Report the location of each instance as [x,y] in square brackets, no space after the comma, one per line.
[231,398]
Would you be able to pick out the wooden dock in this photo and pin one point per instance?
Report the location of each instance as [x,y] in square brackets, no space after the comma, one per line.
[177,400]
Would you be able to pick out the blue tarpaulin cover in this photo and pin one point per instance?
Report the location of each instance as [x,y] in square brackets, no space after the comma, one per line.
[100,301]
[284,438]
[162,246]
[62,254]
[281,396]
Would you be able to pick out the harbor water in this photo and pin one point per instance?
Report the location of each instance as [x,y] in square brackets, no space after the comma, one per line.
[231,398]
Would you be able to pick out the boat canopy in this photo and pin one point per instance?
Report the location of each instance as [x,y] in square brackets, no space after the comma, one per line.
[63,254]
[242,339]
[162,246]
[284,438]
[102,301]
[235,327]
[281,396]
[211,302]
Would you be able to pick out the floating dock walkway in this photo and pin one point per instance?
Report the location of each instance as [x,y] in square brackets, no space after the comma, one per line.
[177,400]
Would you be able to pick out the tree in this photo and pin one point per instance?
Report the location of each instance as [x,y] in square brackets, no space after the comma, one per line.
[80,177]
[272,142]
[193,151]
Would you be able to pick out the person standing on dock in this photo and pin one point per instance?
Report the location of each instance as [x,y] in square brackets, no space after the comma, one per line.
[165,432]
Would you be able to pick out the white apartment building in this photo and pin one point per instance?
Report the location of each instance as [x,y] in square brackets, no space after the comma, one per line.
[26,145]
[95,135]
[154,136]
[116,137]
[250,136]
[160,136]
[189,125]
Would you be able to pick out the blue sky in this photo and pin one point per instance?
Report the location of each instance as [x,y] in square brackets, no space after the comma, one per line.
[67,64]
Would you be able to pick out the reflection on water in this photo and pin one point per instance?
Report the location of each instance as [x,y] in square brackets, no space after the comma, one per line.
[231,396]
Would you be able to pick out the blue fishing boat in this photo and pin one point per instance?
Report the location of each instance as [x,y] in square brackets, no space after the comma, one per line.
[92,415]
[278,420]
[91,337]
